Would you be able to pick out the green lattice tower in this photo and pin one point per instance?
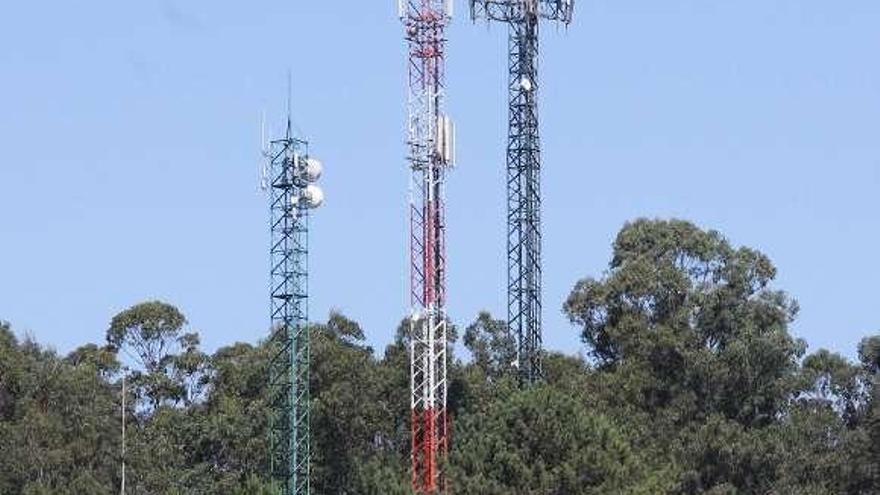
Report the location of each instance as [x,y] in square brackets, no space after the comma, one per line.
[289,365]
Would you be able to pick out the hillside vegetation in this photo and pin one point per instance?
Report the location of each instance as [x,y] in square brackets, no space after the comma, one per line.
[690,382]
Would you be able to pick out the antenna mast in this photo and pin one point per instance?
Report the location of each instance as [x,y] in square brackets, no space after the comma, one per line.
[430,139]
[524,169]
[292,193]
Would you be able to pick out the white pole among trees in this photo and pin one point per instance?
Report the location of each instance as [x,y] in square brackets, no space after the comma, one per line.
[122,487]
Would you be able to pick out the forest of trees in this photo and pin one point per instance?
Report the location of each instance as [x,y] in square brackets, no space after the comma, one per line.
[690,382]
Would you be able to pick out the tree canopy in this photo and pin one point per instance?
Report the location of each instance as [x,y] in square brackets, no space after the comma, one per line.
[690,382]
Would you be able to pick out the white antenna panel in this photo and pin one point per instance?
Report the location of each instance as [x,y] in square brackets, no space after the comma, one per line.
[446,139]
[264,177]
[451,138]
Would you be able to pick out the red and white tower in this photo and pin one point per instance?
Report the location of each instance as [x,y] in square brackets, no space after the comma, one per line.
[430,139]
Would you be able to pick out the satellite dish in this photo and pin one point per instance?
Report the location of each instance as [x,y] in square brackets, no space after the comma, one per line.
[313,196]
[526,84]
[313,169]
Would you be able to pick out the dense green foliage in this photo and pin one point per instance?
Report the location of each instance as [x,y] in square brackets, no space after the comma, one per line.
[690,383]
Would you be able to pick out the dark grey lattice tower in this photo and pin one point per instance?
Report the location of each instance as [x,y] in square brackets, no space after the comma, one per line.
[524,169]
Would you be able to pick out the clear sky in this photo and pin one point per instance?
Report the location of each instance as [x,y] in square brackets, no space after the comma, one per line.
[129,150]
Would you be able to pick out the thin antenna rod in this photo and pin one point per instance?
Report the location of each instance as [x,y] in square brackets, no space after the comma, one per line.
[263,146]
[289,98]
[265,157]
[122,483]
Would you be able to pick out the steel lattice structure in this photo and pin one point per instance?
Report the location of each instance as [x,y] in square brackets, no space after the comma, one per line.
[524,169]
[430,141]
[289,365]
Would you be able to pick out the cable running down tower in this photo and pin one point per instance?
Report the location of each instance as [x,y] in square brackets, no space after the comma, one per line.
[430,139]
[524,169]
[289,176]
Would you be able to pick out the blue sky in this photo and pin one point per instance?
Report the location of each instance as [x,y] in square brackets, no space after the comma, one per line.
[129,150]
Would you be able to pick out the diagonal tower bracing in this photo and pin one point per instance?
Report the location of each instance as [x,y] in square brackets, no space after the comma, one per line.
[430,142]
[524,169]
[290,174]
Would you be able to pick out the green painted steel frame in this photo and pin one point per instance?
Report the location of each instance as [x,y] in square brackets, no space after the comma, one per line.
[290,435]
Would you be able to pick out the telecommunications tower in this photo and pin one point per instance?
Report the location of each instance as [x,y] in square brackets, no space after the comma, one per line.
[430,139]
[289,175]
[524,169]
